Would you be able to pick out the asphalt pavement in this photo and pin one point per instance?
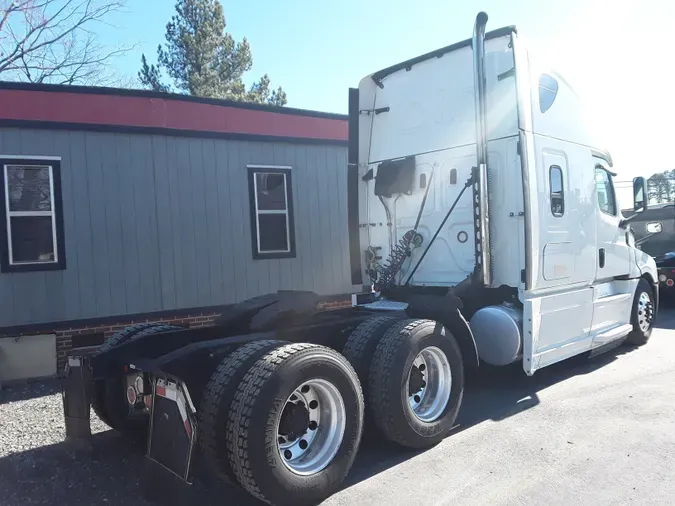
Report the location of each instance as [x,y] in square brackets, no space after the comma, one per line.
[598,431]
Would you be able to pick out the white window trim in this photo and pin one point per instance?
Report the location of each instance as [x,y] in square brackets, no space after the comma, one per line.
[562,189]
[261,169]
[31,157]
[10,214]
[278,167]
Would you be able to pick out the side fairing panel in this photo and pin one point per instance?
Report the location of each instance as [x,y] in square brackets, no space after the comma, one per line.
[557,327]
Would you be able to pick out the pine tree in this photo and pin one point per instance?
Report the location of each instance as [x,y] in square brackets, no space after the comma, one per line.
[151,77]
[660,187]
[204,60]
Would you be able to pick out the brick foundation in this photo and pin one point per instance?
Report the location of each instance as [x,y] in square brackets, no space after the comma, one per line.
[335,304]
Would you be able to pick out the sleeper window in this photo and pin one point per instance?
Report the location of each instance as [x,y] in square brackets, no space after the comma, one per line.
[557,191]
[33,230]
[605,191]
[548,89]
[271,212]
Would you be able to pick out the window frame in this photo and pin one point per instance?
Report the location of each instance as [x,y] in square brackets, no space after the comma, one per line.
[562,190]
[286,171]
[7,264]
[599,166]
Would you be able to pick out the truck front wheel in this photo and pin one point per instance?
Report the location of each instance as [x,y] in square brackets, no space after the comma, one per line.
[416,383]
[642,316]
[295,425]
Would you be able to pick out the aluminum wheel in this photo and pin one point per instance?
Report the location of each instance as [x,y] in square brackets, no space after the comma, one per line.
[311,427]
[645,312]
[429,384]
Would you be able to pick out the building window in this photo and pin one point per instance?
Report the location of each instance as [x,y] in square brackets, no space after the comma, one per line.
[548,89]
[605,191]
[555,178]
[271,212]
[32,239]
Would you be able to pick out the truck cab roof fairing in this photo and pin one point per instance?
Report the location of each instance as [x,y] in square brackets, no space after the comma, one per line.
[378,76]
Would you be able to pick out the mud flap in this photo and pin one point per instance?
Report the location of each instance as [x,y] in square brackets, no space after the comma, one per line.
[171,443]
[76,393]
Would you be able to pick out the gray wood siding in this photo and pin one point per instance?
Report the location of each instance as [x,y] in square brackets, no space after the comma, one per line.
[158,223]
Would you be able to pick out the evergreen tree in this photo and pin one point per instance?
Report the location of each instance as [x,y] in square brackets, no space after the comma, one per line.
[660,187]
[204,60]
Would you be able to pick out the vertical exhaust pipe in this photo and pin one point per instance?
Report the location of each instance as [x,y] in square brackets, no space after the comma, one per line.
[483,253]
[353,188]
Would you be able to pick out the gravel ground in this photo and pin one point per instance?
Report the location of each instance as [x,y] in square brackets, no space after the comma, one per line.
[598,432]
[38,467]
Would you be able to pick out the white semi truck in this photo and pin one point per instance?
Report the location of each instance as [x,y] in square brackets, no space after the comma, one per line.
[484,222]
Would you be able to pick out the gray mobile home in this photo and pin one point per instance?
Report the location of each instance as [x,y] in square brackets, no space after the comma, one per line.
[122,206]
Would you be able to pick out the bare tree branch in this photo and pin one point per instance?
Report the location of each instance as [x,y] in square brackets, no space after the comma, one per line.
[56,40]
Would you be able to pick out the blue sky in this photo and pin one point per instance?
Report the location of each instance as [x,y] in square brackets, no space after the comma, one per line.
[316,50]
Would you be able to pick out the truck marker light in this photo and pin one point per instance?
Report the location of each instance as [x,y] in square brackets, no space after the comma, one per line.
[670,282]
[131,395]
[138,383]
[662,278]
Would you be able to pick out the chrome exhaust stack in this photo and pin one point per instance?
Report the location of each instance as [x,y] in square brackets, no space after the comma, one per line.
[480,184]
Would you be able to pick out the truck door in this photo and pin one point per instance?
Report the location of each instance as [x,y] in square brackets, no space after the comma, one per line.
[558,306]
[612,296]
[613,252]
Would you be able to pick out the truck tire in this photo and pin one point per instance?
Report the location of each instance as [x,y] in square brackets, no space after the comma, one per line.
[295,425]
[360,348]
[424,358]
[125,334]
[217,399]
[642,315]
[108,399]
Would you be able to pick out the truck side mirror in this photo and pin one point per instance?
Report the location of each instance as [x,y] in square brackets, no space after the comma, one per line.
[640,198]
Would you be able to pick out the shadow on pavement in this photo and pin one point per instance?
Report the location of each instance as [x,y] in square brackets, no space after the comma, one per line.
[496,393]
[492,394]
[24,391]
[107,473]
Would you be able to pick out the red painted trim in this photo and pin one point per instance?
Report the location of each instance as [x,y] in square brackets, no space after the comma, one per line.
[144,112]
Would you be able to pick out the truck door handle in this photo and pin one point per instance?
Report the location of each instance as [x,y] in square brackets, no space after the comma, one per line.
[601,257]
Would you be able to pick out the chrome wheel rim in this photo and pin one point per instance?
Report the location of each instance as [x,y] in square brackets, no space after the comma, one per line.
[645,312]
[311,427]
[429,384]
